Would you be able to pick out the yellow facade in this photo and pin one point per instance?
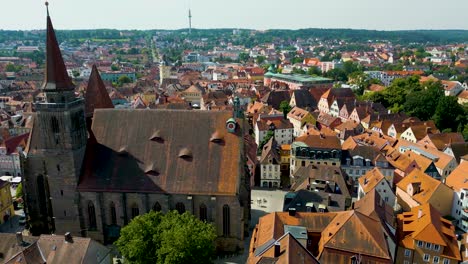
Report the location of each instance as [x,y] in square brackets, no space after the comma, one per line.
[6,202]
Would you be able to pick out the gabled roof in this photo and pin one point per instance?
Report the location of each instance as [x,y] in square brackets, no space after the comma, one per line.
[298,113]
[96,94]
[424,223]
[56,76]
[319,141]
[270,152]
[347,225]
[442,140]
[13,142]
[371,179]
[428,187]
[213,168]
[304,99]
[291,251]
[458,179]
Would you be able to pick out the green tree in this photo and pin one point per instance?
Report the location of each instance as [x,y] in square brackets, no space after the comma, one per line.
[19,191]
[167,238]
[314,71]
[261,59]
[422,104]
[265,140]
[285,108]
[124,79]
[449,114]
[244,57]
[13,68]
[114,67]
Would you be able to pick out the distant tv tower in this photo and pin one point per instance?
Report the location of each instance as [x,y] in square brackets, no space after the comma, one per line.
[190,20]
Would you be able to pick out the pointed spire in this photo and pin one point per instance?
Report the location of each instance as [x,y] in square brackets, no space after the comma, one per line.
[96,94]
[56,76]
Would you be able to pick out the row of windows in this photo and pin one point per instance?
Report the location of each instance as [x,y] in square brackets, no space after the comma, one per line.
[135,211]
[428,245]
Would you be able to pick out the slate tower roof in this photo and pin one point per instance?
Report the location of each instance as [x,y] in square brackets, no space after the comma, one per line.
[56,76]
[96,94]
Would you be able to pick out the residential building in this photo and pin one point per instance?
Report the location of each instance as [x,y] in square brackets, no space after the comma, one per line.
[419,188]
[452,88]
[375,180]
[270,165]
[298,118]
[444,163]
[426,237]
[10,151]
[6,202]
[193,95]
[442,140]
[315,150]
[281,128]
[296,81]
[303,99]
[337,237]
[327,99]
[416,133]
[16,248]
[458,181]
[113,76]
[329,189]
[359,160]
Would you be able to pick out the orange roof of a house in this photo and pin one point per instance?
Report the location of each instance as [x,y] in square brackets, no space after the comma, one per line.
[371,179]
[442,160]
[424,223]
[376,88]
[463,95]
[458,179]
[429,185]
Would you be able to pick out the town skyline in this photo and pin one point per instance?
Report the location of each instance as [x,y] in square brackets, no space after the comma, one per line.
[259,15]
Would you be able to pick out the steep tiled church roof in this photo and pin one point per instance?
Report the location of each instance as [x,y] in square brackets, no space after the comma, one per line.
[96,94]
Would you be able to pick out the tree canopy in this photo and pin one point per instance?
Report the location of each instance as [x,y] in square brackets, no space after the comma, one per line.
[167,238]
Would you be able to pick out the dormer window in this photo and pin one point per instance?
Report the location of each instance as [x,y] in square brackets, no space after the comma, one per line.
[185,153]
[157,137]
[152,171]
[123,150]
[217,138]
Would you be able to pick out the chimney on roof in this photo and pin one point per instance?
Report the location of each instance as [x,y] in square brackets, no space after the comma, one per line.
[19,239]
[277,249]
[420,213]
[292,211]
[68,237]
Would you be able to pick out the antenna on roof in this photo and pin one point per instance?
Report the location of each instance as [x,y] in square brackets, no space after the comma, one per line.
[47,7]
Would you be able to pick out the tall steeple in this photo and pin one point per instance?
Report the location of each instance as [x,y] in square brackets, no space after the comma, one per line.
[56,76]
[96,94]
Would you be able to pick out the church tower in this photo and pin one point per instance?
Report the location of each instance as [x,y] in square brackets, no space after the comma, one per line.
[56,150]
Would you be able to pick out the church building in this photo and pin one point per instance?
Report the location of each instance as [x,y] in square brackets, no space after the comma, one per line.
[90,169]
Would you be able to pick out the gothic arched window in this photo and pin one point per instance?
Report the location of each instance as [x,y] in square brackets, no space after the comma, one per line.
[226,220]
[91,215]
[135,210]
[203,212]
[157,207]
[180,207]
[113,213]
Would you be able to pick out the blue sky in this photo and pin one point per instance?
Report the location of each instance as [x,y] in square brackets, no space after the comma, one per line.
[254,14]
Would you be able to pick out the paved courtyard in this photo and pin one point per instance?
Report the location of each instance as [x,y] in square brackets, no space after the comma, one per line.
[263,201]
